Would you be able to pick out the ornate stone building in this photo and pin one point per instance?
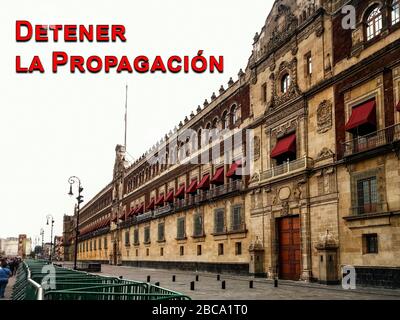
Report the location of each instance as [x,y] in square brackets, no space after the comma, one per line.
[305,177]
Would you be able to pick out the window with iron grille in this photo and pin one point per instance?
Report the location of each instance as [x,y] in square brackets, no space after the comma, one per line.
[367,195]
[136,236]
[181,228]
[127,243]
[374,23]
[161,232]
[105,243]
[236,218]
[219,221]
[147,235]
[370,243]
[198,225]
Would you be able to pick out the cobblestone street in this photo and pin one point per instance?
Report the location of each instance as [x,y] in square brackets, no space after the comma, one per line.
[237,287]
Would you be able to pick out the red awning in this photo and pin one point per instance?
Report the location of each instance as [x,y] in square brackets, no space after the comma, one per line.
[170,197]
[204,183]
[398,107]
[181,192]
[192,187]
[150,206]
[160,200]
[132,211]
[232,170]
[140,209]
[284,145]
[218,177]
[363,114]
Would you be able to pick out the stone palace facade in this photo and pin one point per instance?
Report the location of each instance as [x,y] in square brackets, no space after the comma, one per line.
[303,180]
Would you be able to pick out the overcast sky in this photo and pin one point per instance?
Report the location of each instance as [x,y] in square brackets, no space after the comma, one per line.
[53,126]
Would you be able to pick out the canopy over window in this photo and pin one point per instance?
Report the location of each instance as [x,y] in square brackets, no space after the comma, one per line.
[170,197]
[284,146]
[218,177]
[204,183]
[150,206]
[160,200]
[364,114]
[192,187]
[232,170]
[181,192]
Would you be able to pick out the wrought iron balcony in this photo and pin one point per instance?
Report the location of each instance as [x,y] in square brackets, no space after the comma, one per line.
[287,168]
[144,216]
[367,208]
[372,141]
[233,186]
[163,210]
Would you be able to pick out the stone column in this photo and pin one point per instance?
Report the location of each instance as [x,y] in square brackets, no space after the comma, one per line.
[306,273]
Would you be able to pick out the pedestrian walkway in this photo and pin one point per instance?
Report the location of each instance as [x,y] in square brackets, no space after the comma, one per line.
[237,287]
[9,288]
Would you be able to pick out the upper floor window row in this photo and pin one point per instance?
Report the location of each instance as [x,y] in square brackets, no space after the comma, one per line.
[375,18]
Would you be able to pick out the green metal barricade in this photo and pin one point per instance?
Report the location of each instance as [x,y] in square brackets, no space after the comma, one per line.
[37,280]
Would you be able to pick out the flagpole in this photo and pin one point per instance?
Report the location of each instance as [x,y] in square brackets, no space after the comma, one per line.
[126,113]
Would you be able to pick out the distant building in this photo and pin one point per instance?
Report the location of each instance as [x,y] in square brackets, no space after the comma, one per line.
[9,246]
[24,246]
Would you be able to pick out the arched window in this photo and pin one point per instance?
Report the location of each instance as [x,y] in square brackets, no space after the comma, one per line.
[395,12]
[234,113]
[199,138]
[215,123]
[225,120]
[285,83]
[374,23]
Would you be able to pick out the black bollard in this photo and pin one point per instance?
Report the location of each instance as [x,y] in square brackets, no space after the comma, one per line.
[223,285]
[276,283]
[218,277]
[157,284]
[192,286]
[173,278]
[197,278]
[251,284]
[148,278]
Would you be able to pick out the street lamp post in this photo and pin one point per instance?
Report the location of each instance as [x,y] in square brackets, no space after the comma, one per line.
[50,218]
[42,234]
[79,199]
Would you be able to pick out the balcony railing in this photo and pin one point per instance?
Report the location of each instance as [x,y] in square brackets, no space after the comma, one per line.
[145,216]
[163,210]
[367,208]
[237,228]
[373,140]
[287,168]
[225,189]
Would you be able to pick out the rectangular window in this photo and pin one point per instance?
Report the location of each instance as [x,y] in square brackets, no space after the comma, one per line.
[147,235]
[367,195]
[198,225]
[105,243]
[94,245]
[219,221]
[264,92]
[370,243]
[309,65]
[236,219]
[91,245]
[127,243]
[136,237]
[199,249]
[181,228]
[220,249]
[147,252]
[395,12]
[161,252]
[181,250]
[137,252]
[238,248]
[100,244]
[161,229]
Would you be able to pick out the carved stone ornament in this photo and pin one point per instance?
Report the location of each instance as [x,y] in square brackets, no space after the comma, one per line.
[255,177]
[325,153]
[285,208]
[257,148]
[324,116]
